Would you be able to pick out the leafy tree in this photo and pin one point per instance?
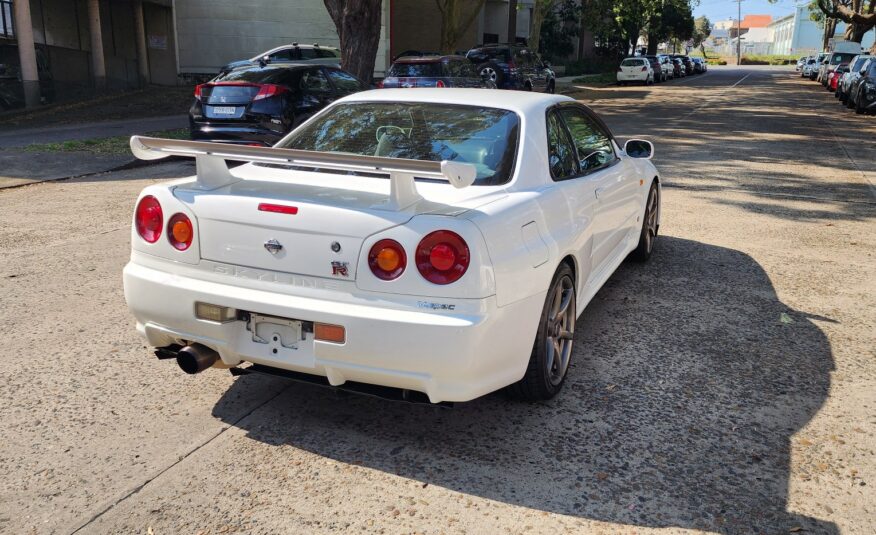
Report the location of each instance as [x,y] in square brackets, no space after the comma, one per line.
[358,25]
[702,30]
[454,23]
[540,11]
[859,16]
[559,30]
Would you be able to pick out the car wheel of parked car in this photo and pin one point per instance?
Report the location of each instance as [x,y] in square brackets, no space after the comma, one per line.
[492,73]
[859,105]
[648,235]
[554,340]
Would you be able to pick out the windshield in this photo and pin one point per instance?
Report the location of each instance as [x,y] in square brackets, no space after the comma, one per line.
[483,137]
[838,58]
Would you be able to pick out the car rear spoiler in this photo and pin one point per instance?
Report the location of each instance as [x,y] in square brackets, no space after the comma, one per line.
[213,172]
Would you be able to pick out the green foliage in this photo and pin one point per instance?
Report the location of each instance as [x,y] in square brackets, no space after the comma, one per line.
[767,59]
[559,31]
[104,145]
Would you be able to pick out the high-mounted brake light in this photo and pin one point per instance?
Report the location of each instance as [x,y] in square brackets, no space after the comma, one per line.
[269,90]
[148,219]
[442,257]
[180,232]
[387,260]
[278,208]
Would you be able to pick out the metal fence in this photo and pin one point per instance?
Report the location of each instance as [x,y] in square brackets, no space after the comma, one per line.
[7,28]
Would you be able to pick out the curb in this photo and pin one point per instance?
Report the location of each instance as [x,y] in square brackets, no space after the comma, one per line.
[133,164]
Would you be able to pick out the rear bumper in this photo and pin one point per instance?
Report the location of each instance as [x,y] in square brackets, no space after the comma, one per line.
[234,133]
[458,356]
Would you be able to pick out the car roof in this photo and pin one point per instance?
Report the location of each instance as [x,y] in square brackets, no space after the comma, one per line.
[429,59]
[292,45]
[520,102]
[284,65]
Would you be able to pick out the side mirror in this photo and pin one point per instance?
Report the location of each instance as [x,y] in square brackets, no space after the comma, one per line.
[639,148]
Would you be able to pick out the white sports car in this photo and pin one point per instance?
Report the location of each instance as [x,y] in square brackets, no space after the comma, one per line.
[427,241]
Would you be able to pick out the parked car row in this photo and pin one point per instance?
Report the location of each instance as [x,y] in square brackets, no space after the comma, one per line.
[849,75]
[259,100]
[649,69]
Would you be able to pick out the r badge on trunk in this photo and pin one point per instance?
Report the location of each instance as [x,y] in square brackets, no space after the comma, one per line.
[273,246]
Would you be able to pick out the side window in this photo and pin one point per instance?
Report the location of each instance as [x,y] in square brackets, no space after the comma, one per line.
[561,153]
[593,144]
[345,83]
[314,81]
[307,53]
[282,55]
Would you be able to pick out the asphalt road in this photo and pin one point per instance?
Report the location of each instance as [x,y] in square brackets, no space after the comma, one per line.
[728,386]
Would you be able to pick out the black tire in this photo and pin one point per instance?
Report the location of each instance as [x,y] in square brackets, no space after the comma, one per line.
[493,71]
[859,106]
[547,369]
[648,234]
[849,103]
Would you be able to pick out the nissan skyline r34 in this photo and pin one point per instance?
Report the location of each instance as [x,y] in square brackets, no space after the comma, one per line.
[432,241]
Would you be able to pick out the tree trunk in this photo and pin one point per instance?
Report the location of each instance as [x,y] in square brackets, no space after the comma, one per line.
[829,32]
[652,44]
[358,23]
[540,10]
[512,21]
[453,24]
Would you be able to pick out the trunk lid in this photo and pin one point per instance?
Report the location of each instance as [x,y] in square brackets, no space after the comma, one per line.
[234,226]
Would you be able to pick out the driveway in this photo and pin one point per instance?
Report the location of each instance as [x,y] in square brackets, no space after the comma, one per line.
[727,386]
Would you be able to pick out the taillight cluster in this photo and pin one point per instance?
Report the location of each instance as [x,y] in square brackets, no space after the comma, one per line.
[442,257]
[149,222]
[269,90]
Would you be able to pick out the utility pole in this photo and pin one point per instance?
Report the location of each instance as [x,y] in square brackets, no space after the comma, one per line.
[738,31]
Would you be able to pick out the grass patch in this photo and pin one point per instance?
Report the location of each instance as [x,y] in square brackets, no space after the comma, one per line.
[767,59]
[600,78]
[104,145]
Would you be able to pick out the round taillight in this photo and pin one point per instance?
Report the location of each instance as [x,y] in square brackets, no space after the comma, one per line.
[442,257]
[179,231]
[439,83]
[387,260]
[148,219]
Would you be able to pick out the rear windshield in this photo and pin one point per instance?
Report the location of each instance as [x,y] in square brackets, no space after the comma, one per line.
[484,137]
[416,70]
[256,74]
[839,57]
[632,62]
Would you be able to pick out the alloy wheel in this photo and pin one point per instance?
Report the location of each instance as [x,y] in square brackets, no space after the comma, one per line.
[651,220]
[490,73]
[560,330]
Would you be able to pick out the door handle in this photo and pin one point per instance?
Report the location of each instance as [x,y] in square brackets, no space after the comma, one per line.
[599,192]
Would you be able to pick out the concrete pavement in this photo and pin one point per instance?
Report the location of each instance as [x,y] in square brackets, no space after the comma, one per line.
[727,386]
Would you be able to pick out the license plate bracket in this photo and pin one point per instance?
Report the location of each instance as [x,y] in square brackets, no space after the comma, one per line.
[275,332]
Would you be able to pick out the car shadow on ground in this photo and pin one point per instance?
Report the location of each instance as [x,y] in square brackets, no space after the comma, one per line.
[689,378]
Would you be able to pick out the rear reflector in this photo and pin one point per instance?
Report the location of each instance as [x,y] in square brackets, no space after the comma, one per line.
[219,314]
[327,332]
[278,208]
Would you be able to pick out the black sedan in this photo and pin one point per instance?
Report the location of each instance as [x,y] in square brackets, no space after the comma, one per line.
[259,104]
[862,93]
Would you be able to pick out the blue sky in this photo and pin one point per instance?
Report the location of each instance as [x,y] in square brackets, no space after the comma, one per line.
[725,9]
